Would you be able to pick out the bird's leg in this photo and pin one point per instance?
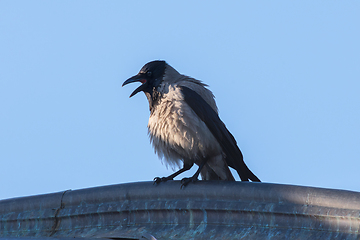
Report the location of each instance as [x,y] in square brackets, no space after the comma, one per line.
[185,167]
[194,178]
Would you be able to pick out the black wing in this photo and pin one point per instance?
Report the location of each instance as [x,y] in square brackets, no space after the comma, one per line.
[234,157]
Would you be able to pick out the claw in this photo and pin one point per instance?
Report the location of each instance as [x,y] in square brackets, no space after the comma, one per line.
[186,181]
[158,180]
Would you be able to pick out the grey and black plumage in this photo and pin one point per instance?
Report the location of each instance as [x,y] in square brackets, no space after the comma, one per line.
[184,125]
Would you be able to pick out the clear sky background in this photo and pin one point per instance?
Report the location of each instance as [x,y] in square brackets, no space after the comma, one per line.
[286,76]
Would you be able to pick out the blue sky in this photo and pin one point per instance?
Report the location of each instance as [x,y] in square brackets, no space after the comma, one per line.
[285,74]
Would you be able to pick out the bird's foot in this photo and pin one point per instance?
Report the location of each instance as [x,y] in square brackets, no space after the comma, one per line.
[186,181]
[158,180]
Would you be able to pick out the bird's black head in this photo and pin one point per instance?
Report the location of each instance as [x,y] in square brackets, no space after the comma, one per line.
[150,75]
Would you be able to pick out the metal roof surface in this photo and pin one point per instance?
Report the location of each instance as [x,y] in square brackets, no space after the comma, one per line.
[204,210]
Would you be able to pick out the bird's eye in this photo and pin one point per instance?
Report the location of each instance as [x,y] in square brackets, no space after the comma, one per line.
[149,73]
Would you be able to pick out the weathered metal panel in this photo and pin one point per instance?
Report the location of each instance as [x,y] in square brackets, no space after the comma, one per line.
[204,210]
[47,238]
[29,216]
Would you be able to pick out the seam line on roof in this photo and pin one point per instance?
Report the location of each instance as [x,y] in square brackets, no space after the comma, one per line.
[57,210]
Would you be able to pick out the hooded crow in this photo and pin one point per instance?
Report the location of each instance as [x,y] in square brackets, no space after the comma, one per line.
[184,126]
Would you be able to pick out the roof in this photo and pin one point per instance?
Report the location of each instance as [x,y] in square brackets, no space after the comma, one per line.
[203,210]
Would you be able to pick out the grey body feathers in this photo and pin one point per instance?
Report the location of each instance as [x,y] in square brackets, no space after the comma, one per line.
[178,134]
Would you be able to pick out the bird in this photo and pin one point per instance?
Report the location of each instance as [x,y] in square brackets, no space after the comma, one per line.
[184,126]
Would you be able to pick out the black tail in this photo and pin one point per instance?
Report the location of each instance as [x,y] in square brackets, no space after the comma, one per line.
[246,175]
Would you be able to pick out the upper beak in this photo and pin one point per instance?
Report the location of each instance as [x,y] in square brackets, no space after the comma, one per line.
[137,78]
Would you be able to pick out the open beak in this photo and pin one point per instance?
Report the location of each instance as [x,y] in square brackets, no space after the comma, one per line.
[137,78]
